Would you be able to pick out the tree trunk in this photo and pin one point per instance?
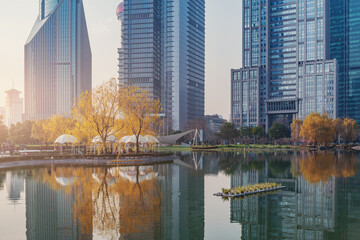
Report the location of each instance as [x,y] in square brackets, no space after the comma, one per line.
[137,144]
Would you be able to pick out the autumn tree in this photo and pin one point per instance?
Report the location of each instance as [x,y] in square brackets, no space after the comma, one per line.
[295,129]
[58,125]
[317,129]
[38,132]
[3,131]
[338,129]
[350,128]
[140,112]
[99,112]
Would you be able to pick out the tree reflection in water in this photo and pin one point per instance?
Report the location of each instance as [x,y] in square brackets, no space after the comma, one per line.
[110,202]
[320,166]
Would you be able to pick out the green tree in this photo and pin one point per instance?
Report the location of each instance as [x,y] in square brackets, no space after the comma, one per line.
[245,133]
[257,132]
[279,130]
[228,132]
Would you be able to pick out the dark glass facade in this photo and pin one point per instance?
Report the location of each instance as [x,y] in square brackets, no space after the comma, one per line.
[288,41]
[57,59]
[345,47]
[163,51]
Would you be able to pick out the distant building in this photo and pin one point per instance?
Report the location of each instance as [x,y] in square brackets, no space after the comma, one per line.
[163,51]
[214,122]
[57,59]
[13,107]
[2,114]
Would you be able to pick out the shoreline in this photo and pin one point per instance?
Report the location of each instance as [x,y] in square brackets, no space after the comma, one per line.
[86,161]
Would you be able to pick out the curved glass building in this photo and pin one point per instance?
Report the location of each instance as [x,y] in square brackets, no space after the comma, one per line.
[57,59]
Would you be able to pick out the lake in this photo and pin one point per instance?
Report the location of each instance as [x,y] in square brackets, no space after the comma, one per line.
[175,201]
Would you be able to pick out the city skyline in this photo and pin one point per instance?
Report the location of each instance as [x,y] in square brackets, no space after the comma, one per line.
[104,33]
[58,60]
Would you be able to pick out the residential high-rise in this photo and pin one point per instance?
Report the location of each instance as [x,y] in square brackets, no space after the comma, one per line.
[57,59]
[163,51]
[287,70]
[13,107]
[345,47]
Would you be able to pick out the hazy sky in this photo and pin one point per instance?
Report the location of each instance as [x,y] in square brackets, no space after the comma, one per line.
[223,49]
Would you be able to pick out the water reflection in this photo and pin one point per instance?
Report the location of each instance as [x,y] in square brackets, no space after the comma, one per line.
[315,204]
[168,201]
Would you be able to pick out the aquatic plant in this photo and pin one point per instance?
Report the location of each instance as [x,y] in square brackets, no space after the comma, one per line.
[250,188]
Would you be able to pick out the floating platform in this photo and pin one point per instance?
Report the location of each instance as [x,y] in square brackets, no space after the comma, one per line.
[220,194]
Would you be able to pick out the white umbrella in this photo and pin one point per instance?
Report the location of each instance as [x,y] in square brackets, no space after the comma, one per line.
[110,180]
[65,181]
[131,175]
[124,139]
[66,138]
[151,139]
[110,138]
[132,139]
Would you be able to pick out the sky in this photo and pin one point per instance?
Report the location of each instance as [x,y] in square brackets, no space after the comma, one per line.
[223,45]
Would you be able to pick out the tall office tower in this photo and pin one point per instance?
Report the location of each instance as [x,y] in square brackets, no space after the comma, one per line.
[287,71]
[163,51]
[345,47]
[13,107]
[57,59]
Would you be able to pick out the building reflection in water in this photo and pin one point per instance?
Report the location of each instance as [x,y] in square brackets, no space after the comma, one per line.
[321,199]
[146,202]
[319,202]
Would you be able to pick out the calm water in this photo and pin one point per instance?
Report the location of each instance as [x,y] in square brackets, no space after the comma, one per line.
[175,201]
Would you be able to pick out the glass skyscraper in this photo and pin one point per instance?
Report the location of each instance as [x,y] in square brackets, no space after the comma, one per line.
[345,47]
[163,51]
[57,59]
[287,70]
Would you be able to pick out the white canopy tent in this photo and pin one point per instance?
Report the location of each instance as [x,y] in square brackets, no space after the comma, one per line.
[132,139]
[109,139]
[66,138]
[124,139]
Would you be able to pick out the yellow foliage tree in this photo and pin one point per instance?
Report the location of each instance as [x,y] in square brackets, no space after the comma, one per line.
[46,131]
[350,128]
[99,111]
[317,129]
[338,129]
[140,112]
[38,133]
[58,125]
